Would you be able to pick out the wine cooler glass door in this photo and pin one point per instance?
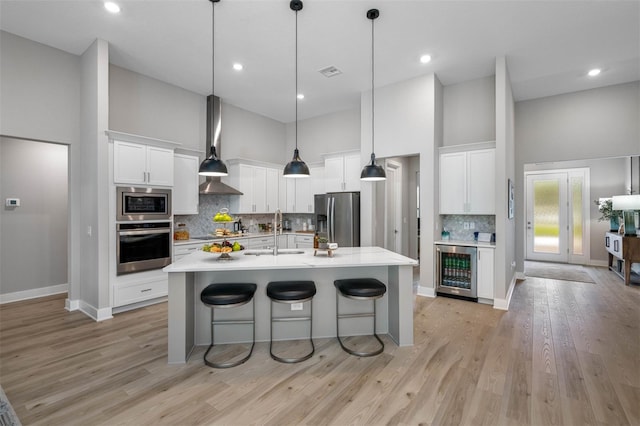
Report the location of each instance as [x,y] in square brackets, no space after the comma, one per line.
[456,271]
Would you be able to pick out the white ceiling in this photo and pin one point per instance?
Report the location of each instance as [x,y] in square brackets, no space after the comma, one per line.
[549,45]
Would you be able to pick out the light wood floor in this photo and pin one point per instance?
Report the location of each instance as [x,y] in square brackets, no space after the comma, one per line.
[565,353]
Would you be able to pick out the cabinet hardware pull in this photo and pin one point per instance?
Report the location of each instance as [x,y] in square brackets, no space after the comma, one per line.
[145,290]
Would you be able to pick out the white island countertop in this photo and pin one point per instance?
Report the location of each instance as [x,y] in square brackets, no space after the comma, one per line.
[343,257]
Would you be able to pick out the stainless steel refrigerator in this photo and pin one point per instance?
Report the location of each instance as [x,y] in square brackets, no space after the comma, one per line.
[338,217]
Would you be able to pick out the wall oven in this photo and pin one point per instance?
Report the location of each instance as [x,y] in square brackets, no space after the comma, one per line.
[143,246]
[141,204]
[456,271]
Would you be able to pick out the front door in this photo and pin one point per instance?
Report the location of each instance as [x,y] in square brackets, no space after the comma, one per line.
[557,210]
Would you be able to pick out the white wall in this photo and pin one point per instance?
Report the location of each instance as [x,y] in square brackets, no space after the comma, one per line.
[469,113]
[34,235]
[335,132]
[144,106]
[590,124]
[505,169]
[252,136]
[40,89]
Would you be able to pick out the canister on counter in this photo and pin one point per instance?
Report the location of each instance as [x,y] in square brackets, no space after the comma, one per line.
[181,232]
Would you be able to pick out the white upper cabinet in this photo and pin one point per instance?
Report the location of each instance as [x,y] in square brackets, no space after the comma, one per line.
[259,186]
[296,195]
[186,182]
[342,173]
[467,182]
[138,164]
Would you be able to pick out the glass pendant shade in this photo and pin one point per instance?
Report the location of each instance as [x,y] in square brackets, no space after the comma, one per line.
[296,168]
[213,166]
[372,172]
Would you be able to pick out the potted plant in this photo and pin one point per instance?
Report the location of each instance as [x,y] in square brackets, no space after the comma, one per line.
[607,213]
[323,243]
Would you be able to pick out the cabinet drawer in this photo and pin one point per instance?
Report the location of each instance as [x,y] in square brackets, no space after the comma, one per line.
[132,293]
[184,250]
[260,242]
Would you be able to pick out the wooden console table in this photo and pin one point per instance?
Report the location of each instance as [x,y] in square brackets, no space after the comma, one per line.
[626,250]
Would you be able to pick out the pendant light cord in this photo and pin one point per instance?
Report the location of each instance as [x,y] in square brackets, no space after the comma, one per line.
[213,46]
[373,116]
[296,98]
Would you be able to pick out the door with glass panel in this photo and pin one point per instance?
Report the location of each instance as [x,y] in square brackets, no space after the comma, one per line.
[557,212]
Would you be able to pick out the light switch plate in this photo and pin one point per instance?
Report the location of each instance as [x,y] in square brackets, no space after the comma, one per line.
[12,202]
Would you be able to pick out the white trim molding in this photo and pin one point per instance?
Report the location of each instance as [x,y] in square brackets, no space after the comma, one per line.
[94,313]
[33,293]
[503,304]
[71,305]
[426,291]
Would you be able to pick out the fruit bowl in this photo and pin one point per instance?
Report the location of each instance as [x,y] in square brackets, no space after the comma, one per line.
[225,249]
[223,216]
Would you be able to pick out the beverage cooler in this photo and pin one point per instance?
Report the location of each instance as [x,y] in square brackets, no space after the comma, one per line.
[456,271]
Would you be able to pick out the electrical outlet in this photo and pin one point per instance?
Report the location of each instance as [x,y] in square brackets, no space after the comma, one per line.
[296,306]
[465,225]
[472,225]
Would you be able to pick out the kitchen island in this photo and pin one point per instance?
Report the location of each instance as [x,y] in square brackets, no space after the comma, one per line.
[189,318]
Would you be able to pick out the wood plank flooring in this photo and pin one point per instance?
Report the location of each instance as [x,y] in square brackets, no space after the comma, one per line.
[566,353]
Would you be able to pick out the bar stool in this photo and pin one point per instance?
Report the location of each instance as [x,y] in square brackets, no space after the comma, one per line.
[291,292]
[229,295]
[359,289]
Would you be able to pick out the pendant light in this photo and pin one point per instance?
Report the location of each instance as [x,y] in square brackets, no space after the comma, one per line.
[213,166]
[372,172]
[296,168]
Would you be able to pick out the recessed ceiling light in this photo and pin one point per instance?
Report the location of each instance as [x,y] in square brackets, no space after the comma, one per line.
[594,72]
[112,7]
[237,67]
[425,59]
[300,96]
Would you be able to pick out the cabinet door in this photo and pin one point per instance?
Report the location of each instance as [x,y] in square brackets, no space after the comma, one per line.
[272,189]
[245,185]
[453,178]
[185,188]
[485,273]
[304,241]
[282,193]
[317,180]
[291,194]
[352,170]
[333,174]
[129,163]
[304,197]
[159,166]
[481,181]
[259,189]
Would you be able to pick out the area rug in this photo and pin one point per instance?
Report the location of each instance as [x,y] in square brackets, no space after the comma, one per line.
[7,415]
[557,271]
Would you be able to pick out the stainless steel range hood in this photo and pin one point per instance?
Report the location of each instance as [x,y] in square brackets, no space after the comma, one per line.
[213,185]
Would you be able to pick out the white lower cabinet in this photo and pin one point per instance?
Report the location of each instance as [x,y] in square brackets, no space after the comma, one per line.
[128,293]
[183,250]
[303,241]
[260,242]
[486,272]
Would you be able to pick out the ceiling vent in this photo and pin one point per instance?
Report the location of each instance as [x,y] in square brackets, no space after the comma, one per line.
[330,71]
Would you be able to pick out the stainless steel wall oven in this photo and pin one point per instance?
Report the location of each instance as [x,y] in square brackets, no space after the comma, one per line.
[141,204]
[142,246]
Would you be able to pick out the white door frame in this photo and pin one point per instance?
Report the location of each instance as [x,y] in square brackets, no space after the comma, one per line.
[393,168]
[567,226]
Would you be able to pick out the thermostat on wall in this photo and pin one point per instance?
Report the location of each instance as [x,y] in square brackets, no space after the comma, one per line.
[12,202]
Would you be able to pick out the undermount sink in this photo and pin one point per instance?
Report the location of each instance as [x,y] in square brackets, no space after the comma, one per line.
[270,252]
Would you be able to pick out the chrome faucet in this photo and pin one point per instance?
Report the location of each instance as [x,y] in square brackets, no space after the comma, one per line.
[275,230]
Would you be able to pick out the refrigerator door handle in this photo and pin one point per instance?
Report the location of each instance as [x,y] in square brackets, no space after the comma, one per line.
[329,218]
[333,220]
[351,227]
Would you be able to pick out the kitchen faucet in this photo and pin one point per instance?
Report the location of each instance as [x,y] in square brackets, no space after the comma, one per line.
[275,230]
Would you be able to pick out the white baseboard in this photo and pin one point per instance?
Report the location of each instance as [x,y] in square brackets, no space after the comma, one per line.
[95,313]
[71,305]
[33,293]
[520,276]
[503,304]
[426,291]
[137,305]
[602,263]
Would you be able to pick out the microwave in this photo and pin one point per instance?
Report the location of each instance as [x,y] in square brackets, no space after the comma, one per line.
[142,204]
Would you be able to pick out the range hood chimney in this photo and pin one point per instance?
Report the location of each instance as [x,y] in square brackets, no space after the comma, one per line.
[213,184]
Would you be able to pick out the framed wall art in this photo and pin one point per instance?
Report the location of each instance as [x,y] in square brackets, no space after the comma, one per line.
[510,195]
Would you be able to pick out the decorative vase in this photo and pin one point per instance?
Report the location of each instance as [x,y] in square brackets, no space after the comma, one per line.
[614,223]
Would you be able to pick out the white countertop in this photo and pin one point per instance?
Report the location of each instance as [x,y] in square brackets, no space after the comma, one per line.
[343,257]
[465,243]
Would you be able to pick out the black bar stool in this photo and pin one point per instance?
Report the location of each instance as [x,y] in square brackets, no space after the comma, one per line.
[229,295]
[359,289]
[291,292]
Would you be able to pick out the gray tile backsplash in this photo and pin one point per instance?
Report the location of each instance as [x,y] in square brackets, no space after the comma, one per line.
[202,223]
[455,225]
